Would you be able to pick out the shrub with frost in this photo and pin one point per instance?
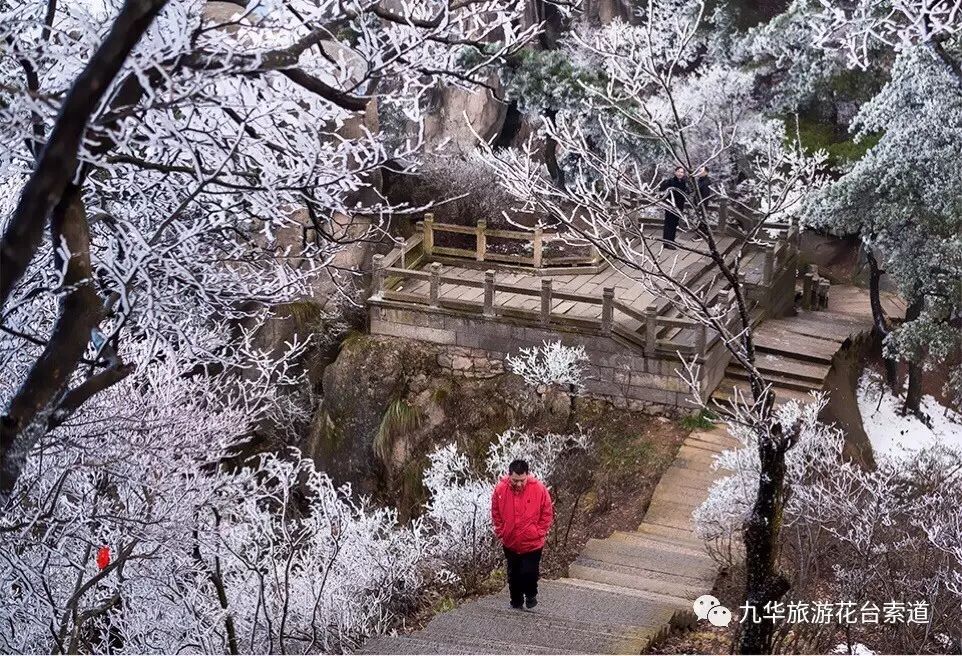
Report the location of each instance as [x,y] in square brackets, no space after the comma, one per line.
[876,535]
[552,363]
[459,496]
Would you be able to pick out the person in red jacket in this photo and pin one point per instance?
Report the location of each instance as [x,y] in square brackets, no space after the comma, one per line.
[522,512]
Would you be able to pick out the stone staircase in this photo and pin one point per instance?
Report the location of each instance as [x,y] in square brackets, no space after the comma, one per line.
[796,353]
[627,590]
[621,593]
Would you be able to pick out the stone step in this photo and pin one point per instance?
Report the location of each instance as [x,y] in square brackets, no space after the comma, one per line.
[507,628]
[651,559]
[690,453]
[666,513]
[696,471]
[680,477]
[673,602]
[726,389]
[648,527]
[682,592]
[789,366]
[567,618]
[660,542]
[419,644]
[796,347]
[683,497]
[715,442]
[710,448]
[735,372]
[652,572]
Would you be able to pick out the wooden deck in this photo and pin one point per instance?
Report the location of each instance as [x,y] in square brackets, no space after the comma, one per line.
[471,300]
[628,289]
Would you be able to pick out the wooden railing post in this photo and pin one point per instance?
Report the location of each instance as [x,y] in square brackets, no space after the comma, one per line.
[377,278]
[435,283]
[651,329]
[768,266]
[489,293]
[823,287]
[722,215]
[545,300]
[428,228]
[807,281]
[538,245]
[482,241]
[701,339]
[794,232]
[607,309]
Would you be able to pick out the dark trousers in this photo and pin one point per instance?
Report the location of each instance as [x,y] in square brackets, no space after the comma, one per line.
[523,570]
[671,226]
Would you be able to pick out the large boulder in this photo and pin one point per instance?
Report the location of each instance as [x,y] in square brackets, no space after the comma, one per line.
[388,402]
[460,113]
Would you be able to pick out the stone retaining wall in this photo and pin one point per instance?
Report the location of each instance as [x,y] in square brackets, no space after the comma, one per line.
[476,347]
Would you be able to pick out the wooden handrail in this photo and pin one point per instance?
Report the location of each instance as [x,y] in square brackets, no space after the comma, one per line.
[481,232]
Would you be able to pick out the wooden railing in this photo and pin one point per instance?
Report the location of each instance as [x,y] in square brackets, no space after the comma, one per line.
[537,239]
[642,328]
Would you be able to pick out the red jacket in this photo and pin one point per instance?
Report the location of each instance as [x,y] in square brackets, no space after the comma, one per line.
[521,519]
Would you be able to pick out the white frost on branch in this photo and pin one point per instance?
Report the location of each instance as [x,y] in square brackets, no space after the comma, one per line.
[552,363]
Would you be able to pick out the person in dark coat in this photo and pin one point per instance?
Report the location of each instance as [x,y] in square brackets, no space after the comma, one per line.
[677,188]
[703,184]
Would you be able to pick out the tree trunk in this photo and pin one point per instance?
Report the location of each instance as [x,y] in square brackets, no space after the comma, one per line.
[763,582]
[80,311]
[58,160]
[913,397]
[879,324]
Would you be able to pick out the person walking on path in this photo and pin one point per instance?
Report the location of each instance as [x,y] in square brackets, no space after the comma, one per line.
[677,188]
[522,512]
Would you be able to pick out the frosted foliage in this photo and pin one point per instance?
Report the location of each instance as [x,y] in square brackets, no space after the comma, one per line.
[860,29]
[552,363]
[788,46]
[731,498]
[892,532]
[905,197]
[198,205]
[459,499]
[303,565]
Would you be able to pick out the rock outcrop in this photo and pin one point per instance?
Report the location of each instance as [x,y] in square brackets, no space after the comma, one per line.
[388,402]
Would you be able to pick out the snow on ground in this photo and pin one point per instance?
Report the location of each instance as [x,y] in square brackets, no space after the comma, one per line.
[892,433]
[858,649]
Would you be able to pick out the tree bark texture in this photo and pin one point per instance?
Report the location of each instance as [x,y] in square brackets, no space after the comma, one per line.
[879,323]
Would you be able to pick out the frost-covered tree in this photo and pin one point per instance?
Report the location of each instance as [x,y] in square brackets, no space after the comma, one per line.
[205,554]
[904,197]
[552,363]
[890,534]
[194,166]
[652,102]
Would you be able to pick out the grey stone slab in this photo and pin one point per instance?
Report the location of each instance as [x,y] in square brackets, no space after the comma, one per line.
[686,592]
[492,619]
[649,559]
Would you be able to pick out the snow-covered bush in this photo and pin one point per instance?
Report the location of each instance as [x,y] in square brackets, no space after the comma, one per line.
[552,363]
[855,534]
[459,496]
[205,555]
